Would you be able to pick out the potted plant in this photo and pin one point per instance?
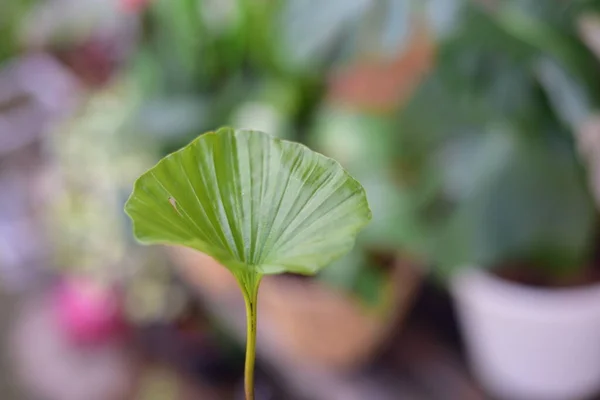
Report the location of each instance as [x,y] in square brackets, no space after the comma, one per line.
[256,204]
[333,323]
[501,200]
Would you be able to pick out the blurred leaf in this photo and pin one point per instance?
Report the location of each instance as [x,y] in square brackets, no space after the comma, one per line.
[569,97]
[197,41]
[12,13]
[444,16]
[458,112]
[172,117]
[362,143]
[263,116]
[344,272]
[220,16]
[531,203]
[177,41]
[256,204]
[468,161]
[589,31]
[557,42]
[271,108]
[484,67]
[355,274]
[389,206]
[396,27]
[537,208]
[586,5]
[370,285]
[382,31]
[145,72]
[309,29]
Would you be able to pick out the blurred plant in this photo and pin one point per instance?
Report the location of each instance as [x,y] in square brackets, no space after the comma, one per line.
[93,38]
[222,57]
[11,19]
[256,204]
[92,145]
[488,147]
[267,65]
[95,158]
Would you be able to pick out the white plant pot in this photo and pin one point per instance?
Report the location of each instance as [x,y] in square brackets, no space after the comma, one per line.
[528,343]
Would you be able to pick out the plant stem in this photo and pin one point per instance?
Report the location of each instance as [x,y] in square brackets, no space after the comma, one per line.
[249,284]
[250,347]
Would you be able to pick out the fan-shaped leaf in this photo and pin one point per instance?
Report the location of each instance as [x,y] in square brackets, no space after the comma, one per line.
[251,201]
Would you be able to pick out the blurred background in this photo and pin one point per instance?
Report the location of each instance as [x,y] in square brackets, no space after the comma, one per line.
[472,124]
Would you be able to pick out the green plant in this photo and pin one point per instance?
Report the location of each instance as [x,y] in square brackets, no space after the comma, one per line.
[216,56]
[257,204]
[495,176]
[11,20]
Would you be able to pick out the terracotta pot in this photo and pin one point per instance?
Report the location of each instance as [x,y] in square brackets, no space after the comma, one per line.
[530,343]
[304,320]
[380,86]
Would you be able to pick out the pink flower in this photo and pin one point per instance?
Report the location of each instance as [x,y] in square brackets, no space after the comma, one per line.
[134,6]
[88,312]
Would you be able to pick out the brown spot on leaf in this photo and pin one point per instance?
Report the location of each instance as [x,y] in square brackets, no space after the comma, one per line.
[173,203]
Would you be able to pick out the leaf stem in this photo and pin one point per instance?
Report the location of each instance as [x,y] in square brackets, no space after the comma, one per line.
[249,283]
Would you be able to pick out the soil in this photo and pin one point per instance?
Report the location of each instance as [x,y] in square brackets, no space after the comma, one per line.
[529,275]
[382,259]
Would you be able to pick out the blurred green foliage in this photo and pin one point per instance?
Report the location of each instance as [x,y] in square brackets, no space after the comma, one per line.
[266,65]
[11,16]
[220,55]
[480,167]
[490,141]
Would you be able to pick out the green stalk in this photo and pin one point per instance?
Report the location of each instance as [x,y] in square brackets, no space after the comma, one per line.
[249,283]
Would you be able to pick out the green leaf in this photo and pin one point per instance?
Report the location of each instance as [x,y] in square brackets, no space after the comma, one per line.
[251,201]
